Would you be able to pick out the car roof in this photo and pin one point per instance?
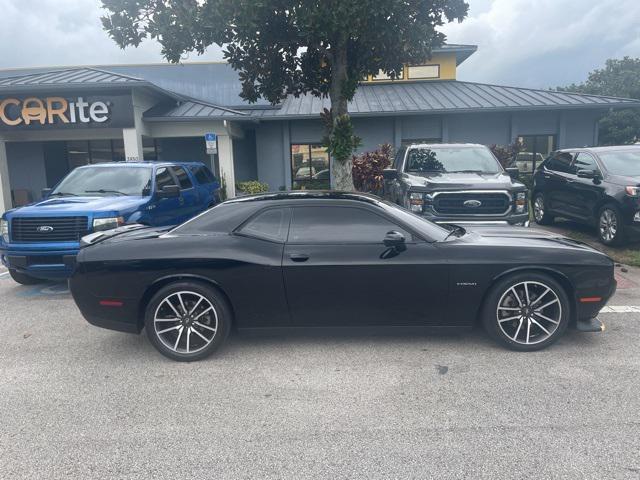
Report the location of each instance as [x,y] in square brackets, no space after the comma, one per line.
[142,164]
[612,148]
[308,195]
[446,145]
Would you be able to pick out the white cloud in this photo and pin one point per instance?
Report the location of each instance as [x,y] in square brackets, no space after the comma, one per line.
[542,43]
[66,32]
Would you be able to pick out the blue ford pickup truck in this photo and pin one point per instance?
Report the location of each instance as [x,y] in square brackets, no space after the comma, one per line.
[40,241]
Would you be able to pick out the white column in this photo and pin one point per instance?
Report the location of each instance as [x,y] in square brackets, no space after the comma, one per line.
[133,151]
[5,185]
[225,158]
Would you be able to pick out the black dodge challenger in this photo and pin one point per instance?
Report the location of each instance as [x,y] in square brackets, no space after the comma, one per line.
[327,259]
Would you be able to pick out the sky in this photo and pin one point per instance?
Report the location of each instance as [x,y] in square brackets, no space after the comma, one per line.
[527,43]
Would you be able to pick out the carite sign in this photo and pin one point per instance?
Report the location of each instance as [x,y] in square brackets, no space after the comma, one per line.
[64,111]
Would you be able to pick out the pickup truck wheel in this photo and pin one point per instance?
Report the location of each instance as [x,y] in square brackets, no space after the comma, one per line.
[187,321]
[526,311]
[540,212]
[23,278]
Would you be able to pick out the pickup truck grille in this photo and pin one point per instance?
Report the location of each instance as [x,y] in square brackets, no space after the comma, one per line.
[48,229]
[453,203]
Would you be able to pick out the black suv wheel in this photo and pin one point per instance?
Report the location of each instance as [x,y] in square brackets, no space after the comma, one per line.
[610,225]
[540,212]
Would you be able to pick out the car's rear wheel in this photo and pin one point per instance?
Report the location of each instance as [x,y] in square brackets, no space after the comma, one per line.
[23,278]
[540,212]
[526,311]
[187,321]
[610,225]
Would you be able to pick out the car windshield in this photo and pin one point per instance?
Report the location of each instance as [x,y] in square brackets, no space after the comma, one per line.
[622,162]
[106,181]
[451,160]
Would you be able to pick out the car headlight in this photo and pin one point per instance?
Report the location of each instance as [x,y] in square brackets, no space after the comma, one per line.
[633,191]
[416,202]
[521,202]
[4,230]
[101,224]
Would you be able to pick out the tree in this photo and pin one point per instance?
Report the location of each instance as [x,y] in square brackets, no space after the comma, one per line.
[619,78]
[294,47]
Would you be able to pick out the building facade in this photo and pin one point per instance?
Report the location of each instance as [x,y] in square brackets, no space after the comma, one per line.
[55,119]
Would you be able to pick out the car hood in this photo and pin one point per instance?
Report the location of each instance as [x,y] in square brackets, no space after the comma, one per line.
[624,180]
[524,237]
[133,231]
[80,205]
[458,181]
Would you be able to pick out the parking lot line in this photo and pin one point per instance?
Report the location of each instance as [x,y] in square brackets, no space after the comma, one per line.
[620,309]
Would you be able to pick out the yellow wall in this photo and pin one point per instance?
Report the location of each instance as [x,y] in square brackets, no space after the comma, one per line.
[447,62]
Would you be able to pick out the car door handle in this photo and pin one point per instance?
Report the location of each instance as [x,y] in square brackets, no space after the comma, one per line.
[299,257]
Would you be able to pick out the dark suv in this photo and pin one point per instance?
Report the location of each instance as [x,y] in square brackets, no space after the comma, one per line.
[456,183]
[598,186]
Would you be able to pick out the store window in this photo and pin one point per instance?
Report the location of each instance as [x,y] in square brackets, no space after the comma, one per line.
[309,167]
[534,149]
[151,149]
[420,72]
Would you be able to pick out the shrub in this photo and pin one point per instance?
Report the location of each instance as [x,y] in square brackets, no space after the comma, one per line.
[252,187]
[368,167]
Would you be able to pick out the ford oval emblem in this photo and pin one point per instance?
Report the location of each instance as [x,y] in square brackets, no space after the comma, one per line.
[44,229]
[472,203]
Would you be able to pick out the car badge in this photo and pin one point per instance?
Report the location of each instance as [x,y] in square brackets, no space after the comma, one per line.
[472,203]
[44,229]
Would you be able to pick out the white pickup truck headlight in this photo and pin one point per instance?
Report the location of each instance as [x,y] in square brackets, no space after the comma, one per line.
[521,202]
[416,202]
[4,230]
[101,224]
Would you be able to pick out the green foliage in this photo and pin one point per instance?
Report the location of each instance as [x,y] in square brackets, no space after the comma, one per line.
[293,47]
[339,139]
[506,153]
[368,167]
[619,78]
[424,160]
[252,187]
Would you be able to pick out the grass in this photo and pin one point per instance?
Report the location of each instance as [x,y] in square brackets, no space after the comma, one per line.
[628,254]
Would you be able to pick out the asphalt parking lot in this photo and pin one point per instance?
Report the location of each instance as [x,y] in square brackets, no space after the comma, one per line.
[81,402]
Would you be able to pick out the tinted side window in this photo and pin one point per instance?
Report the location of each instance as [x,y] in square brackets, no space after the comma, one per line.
[183,178]
[272,224]
[560,162]
[203,174]
[585,161]
[163,178]
[335,225]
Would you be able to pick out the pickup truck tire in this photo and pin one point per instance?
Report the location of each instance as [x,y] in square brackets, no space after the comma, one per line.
[24,279]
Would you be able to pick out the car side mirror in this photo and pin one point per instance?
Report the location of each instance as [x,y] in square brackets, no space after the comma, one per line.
[390,173]
[394,239]
[169,191]
[513,172]
[46,192]
[590,174]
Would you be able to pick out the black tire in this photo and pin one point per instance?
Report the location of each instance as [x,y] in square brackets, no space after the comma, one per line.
[609,214]
[541,216]
[23,278]
[513,332]
[219,317]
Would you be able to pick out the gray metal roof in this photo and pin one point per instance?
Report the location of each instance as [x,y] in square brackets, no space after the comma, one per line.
[85,76]
[191,110]
[444,96]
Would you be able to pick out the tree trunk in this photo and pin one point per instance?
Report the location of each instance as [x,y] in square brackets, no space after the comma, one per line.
[341,168]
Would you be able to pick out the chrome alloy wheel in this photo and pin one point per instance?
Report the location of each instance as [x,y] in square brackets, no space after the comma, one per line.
[185,322]
[538,208]
[608,225]
[529,312]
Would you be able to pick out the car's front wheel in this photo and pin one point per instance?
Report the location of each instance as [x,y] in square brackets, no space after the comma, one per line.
[526,311]
[540,212]
[23,278]
[187,321]
[610,225]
